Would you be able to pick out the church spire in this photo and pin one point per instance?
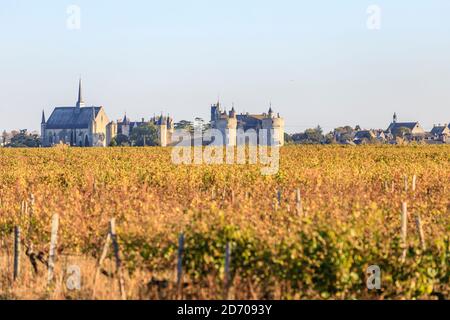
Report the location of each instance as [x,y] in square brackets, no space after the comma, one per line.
[80,102]
[43,117]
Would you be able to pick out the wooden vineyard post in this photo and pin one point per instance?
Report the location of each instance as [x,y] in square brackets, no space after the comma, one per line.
[275,206]
[94,183]
[16,253]
[404,230]
[406,183]
[227,278]
[180,266]
[100,262]
[119,272]
[299,205]
[28,242]
[52,252]
[421,233]
[277,202]
[414,183]
[30,216]
[279,197]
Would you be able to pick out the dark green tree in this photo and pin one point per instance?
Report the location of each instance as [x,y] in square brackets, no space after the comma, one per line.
[329,138]
[184,125]
[310,136]
[288,138]
[145,135]
[402,132]
[344,134]
[120,140]
[4,137]
[24,140]
[314,135]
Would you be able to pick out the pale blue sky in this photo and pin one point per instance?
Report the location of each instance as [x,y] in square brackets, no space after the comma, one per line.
[315,60]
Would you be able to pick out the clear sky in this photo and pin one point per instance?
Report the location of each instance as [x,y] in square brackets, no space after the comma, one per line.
[315,60]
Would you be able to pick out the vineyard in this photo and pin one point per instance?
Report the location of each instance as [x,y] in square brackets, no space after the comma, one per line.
[309,232]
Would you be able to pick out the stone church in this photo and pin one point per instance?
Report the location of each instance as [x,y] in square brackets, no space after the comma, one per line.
[80,125]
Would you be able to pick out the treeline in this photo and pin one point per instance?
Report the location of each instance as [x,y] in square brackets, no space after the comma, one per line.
[340,135]
[140,136]
[20,139]
[147,135]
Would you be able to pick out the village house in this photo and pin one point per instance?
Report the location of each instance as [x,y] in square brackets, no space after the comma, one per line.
[441,133]
[369,136]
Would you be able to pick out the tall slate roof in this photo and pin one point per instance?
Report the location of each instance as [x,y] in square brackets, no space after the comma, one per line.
[367,134]
[250,121]
[438,130]
[395,126]
[72,117]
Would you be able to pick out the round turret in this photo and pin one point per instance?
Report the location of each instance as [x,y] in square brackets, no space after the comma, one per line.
[232,113]
[277,122]
[275,128]
[270,114]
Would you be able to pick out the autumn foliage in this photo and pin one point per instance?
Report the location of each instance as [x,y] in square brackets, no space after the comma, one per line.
[351,199]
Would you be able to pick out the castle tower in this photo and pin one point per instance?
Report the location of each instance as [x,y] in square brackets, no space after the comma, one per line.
[232,113]
[231,138]
[162,131]
[126,126]
[227,125]
[215,112]
[170,130]
[278,130]
[111,132]
[274,127]
[270,114]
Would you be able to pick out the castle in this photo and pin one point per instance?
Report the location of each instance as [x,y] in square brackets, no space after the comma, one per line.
[165,126]
[229,124]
